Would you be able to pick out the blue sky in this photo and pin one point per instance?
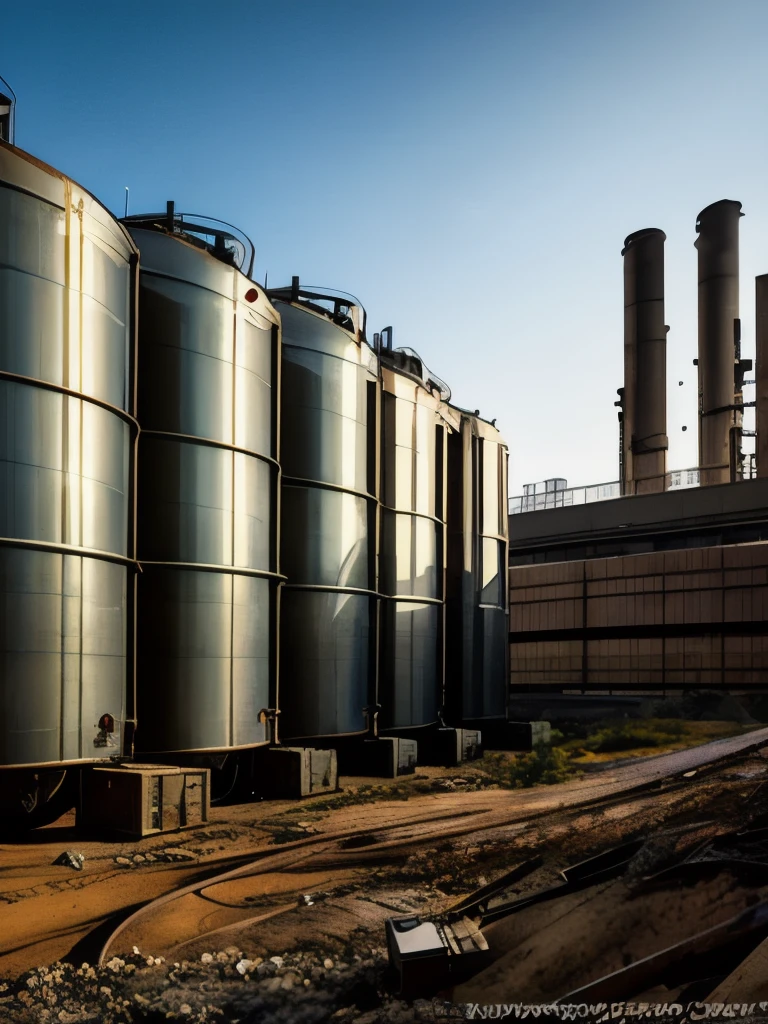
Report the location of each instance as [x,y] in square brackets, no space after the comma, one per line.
[468,169]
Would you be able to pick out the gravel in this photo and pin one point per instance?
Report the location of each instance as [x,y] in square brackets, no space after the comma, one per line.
[226,986]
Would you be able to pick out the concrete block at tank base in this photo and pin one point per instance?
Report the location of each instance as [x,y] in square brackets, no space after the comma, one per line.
[292,772]
[142,799]
[517,735]
[451,747]
[385,758]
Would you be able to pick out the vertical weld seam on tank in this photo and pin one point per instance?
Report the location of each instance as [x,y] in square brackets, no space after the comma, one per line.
[80,466]
[64,447]
[132,581]
[276,491]
[233,519]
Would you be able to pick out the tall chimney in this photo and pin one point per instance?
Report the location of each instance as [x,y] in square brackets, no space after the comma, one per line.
[761,372]
[644,435]
[719,342]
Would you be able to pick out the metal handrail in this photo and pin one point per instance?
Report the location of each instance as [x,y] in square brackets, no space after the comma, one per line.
[535,500]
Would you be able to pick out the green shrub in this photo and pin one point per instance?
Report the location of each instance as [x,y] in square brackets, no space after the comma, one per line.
[544,765]
[630,735]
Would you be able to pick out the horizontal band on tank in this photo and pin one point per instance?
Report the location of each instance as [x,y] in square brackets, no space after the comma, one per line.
[495,536]
[327,737]
[409,512]
[196,284]
[193,750]
[494,607]
[296,481]
[32,195]
[328,589]
[410,599]
[225,570]
[70,549]
[90,762]
[209,442]
[659,631]
[45,385]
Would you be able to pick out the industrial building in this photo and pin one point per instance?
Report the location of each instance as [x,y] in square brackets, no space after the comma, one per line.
[657,582]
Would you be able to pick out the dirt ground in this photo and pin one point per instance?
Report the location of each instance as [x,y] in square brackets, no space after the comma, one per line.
[302,936]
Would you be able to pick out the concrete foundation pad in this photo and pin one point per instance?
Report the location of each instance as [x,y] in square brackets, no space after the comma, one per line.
[386,757]
[506,735]
[144,799]
[447,748]
[290,772]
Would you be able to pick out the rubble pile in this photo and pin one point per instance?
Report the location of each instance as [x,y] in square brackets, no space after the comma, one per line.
[225,987]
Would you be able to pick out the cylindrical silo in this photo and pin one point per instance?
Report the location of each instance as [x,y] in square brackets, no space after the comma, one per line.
[719,422]
[329,515]
[411,544]
[645,440]
[67,433]
[207,491]
[477,631]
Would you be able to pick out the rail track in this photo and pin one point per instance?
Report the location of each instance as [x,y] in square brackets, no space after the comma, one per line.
[272,883]
[171,908]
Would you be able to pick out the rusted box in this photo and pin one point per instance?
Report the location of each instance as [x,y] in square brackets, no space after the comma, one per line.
[143,800]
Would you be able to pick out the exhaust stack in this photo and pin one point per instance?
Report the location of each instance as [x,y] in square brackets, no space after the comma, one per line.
[644,401]
[761,372]
[719,343]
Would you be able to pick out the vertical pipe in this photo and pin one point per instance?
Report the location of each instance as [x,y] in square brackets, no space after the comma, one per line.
[644,424]
[718,248]
[761,372]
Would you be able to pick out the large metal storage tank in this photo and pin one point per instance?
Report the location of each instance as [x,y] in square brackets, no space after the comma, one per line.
[207,490]
[411,542]
[477,630]
[328,520]
[67,432]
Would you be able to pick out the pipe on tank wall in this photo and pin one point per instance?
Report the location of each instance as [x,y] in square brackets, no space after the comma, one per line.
[719,421]
[761,372]
[644,435]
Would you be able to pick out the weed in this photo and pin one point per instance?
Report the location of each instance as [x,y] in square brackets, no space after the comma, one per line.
[544,765]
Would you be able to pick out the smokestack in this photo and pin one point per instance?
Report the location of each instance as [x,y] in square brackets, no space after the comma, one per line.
[644,434]
[719,342]
[761,372]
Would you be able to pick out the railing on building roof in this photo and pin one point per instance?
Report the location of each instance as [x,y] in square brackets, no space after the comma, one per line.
[554,494]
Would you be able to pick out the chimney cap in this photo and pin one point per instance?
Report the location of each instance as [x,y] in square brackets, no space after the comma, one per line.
[642,235]
[719,209]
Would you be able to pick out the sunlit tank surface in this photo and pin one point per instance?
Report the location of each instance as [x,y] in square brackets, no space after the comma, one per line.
[208,477]
[66,456]
[412,543]
[328,523]
[476,601]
